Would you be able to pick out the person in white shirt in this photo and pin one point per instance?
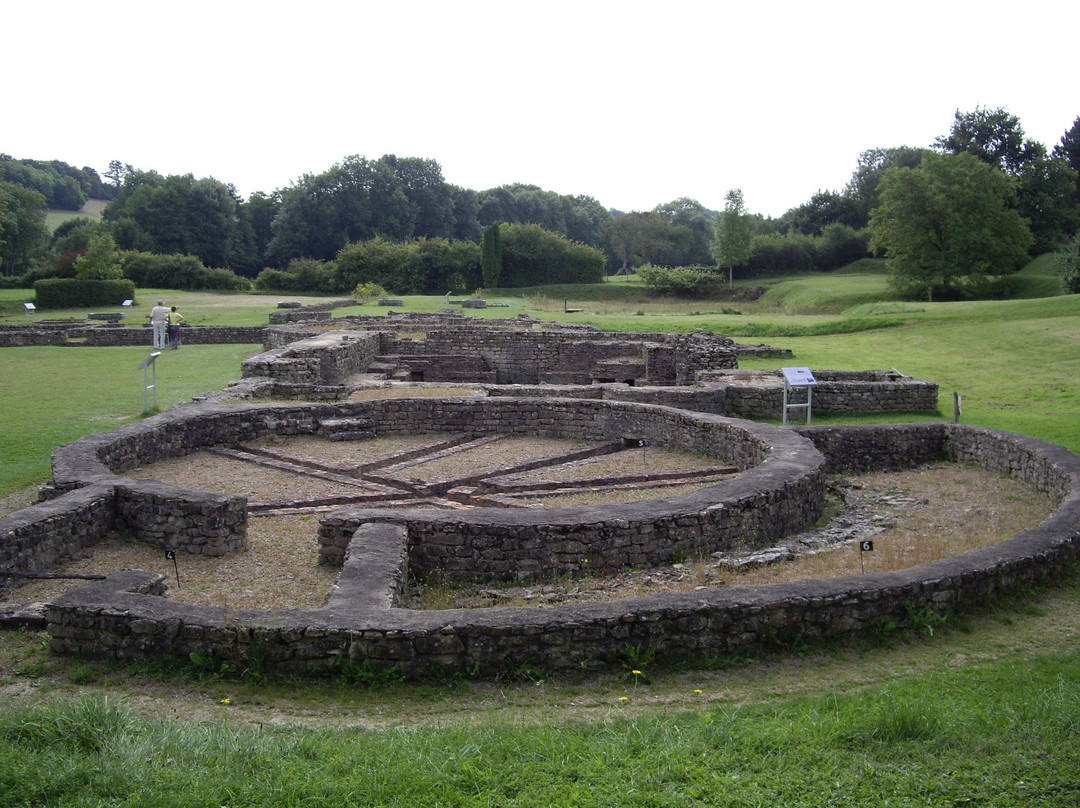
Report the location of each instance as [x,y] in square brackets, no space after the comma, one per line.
[159,319]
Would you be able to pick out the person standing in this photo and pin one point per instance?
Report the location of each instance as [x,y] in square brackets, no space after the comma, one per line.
[174,318]
[159,319]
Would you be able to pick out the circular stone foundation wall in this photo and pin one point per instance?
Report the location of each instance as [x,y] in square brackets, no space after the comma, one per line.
[123,616]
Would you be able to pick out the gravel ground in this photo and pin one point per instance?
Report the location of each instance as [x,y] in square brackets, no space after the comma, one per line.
[913,516]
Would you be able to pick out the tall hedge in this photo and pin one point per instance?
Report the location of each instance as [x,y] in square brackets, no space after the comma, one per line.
[67,293]
[533,256]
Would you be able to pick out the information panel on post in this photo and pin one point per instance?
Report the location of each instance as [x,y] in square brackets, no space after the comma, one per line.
[798,377]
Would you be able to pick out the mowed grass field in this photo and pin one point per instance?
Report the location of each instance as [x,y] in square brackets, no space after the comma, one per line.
[983,709]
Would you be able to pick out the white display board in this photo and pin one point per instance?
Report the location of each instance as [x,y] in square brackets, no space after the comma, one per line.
[801,378]
[798,377]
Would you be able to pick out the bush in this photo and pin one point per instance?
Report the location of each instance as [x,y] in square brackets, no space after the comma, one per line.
[368,291]
[67,293]
[101,261]
[391,265]
[178,272]
[163,271]
[841,245]
[1069,260]
[224,280]
[275,280]
[447,264]
[773,254]
[680,281]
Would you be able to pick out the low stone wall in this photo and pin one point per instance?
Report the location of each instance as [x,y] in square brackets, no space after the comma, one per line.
[779,491]
[99,336]
[363,619]
[322,359]
[305,360]
[194,522]
[38,538]
[754,399]
[314,311]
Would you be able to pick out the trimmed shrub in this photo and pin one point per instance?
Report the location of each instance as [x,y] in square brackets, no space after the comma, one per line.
[533,256]
[391,265]
[67,293]
[275,280]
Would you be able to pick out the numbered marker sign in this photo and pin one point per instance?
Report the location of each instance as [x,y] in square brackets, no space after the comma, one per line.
[866,546]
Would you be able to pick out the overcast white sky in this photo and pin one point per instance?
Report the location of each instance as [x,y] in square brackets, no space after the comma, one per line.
[635,104]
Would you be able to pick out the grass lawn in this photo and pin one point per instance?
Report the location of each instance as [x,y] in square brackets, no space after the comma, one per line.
[53,395]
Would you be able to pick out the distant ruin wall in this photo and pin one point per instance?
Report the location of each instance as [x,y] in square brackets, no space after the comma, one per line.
[112,337]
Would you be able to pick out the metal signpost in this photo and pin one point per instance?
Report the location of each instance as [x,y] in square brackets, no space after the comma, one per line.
[149,367]
[796,378]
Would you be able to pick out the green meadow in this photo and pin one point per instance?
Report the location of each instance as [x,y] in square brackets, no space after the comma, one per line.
[982,709]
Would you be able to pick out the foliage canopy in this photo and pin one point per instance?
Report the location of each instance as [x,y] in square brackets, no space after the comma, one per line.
[947,227]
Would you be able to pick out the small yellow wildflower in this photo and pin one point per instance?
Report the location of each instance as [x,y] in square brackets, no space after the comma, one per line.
[226,701]
[698,690]
[636,673]
[623,699]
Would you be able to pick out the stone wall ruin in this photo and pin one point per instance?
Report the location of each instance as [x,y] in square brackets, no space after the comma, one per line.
[778,491]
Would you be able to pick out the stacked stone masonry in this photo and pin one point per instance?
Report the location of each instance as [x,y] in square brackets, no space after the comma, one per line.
[124,616]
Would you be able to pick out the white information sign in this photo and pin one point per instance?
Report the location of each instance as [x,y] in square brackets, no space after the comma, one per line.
[798,377]
[803,379]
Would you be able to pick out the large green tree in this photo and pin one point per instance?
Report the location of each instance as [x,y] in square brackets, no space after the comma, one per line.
[732,234]
[637,238]
[1046,197]
[863,187]
[358,199]
[177,215]
[63,186]
[23,234]
[1045,192]
[1068,149]
[993,135]
[579,218]
[948,226]
[691,214]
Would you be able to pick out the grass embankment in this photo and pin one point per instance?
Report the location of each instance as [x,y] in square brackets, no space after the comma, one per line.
[974,735]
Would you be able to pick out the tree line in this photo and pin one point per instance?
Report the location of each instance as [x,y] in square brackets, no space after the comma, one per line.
[317,221]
